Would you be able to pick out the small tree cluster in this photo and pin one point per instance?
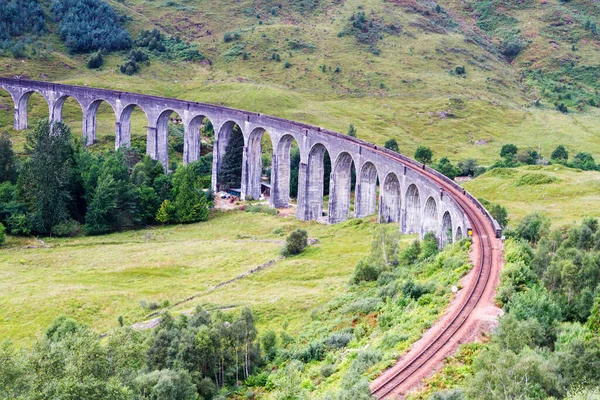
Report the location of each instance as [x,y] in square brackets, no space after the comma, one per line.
[89,25]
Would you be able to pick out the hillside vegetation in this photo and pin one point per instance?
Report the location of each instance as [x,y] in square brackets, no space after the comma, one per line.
[317,62]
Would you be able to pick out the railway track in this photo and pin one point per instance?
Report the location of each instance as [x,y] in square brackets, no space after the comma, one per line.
[444,335]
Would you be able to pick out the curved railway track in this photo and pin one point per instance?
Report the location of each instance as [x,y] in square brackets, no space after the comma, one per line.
[422,358]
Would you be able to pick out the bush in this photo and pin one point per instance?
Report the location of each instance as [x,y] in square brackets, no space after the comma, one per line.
[532,227]
[511,48]
[295,242]
[366,271]
[69,228]
[338,340]
[2,234]
[413,290]
[326,370]
[95,61]
[508,150]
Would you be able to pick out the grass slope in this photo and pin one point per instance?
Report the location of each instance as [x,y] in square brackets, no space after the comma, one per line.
[96,279]
[569,195]
[406,92]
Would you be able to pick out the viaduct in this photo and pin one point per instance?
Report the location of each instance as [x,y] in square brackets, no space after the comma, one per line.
[407,195]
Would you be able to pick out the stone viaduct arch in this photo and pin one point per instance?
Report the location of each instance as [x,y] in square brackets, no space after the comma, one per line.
[406,196]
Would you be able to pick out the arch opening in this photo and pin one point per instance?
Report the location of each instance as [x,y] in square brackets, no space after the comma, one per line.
[430,216]
[68,110]
[33,107]
[318,177]
[132,131]
[459,234]
[169,139]
[99,123]
[230,148]
[341,188]
[259,165]
[365,202]
[198,148]
[6,109]
[391,199]
[446,234]
[413,210]
[285,169]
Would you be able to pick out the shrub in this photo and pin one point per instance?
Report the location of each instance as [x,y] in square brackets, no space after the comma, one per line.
[295,242]
[2,234]
[69,228]
[413,290]
[326,370]
[511,48]
[95,61]
[366,270]
[532,227]
[338,340]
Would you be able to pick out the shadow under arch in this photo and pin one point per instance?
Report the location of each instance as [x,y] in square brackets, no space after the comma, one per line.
[390,203]
[283,182]
[366,190]
[315,180]
[446,234]
[413,209]
[340,188]
[459,234]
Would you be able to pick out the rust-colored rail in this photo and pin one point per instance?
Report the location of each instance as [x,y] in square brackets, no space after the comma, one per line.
[413,362]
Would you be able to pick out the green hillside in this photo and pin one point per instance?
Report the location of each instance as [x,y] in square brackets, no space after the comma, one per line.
[397,80]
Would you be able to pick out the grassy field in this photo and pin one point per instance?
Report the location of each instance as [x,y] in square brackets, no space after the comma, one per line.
[96,279]
[568,196]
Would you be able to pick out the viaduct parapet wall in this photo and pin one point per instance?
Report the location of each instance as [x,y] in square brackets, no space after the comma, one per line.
[406,196]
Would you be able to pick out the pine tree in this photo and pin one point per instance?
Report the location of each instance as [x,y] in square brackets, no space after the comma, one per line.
[230,174]
[45,182]
[190,204]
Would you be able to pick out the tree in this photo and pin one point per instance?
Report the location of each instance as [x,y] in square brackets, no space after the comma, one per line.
[295,242]
[593,322]
[8,166]
[533,227]
[230,174]
[423,155]
[352,130]
[560,154]
[44,184]
[2,234]
[166,212]
[446,167]
[508,150]
[584,161]
[190,203]
[392,145]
